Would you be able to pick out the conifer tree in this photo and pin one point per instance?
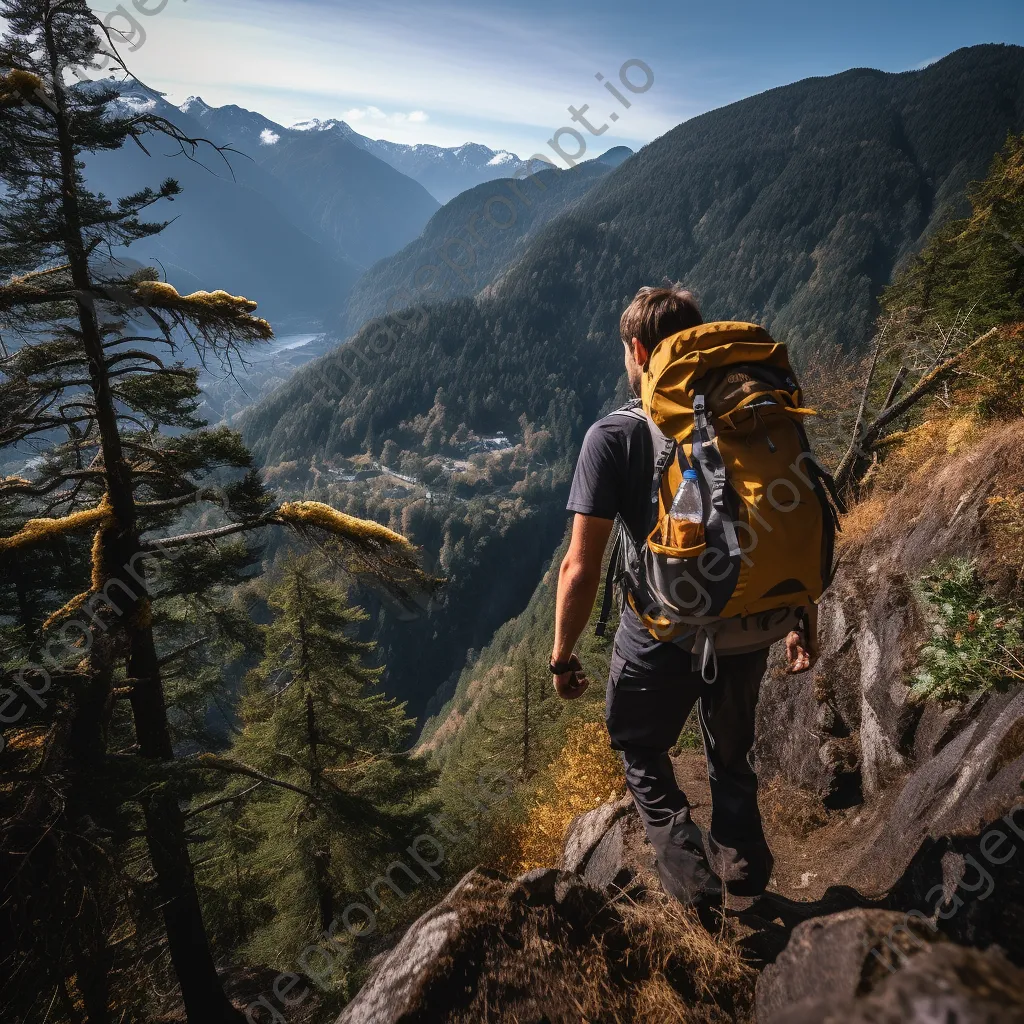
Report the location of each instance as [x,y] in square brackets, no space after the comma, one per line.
[311,716]
[100,375]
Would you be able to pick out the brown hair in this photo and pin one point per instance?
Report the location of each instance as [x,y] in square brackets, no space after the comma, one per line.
[658,313]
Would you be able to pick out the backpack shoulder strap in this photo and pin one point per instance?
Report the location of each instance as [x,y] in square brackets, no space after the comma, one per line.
[708,457]
[632,410]
[610,580]
[664,449]
[664,446]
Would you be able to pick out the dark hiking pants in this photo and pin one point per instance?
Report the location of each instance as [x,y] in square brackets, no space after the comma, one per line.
[645,715]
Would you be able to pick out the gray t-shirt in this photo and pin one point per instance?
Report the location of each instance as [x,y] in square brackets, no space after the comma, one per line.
[613,477]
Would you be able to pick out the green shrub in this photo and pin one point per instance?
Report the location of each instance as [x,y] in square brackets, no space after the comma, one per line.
[976,642]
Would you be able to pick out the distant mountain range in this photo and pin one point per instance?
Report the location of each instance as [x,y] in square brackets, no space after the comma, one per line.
[290,216]
[359,202]
[443,171]
[235,226]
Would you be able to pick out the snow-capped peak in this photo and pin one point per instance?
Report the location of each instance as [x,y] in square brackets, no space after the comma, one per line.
[503,156]
[194,104]
[314,124]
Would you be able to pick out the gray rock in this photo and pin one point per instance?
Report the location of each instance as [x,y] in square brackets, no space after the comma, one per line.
[606,865]
[402,981]
[621,854]
[489,943]
[587,830]
[867,967]
[945,984]
[825,963]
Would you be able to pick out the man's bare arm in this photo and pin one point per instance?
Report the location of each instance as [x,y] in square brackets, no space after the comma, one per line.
[578,582]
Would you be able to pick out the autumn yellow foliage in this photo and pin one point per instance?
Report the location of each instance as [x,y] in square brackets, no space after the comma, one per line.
[915,453]
[18,84]
[586,773]
[99,577]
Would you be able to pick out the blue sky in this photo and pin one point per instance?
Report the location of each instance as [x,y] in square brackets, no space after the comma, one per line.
[504,75]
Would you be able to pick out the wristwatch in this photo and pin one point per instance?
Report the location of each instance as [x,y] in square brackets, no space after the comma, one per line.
[559,668]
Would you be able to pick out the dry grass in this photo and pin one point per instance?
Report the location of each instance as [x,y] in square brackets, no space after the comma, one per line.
[928,498]
[791,810]
[919,451]
[1005,521]
[584,775]
[683,957]
[643,962]
[862,519]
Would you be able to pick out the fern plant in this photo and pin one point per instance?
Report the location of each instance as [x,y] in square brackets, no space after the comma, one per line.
[976,642]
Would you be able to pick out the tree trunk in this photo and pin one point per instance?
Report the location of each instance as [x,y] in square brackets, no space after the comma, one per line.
[204,999]
[187,940]
[526,718]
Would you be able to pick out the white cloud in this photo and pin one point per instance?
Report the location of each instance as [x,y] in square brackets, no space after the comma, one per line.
[269,138]
[372,113]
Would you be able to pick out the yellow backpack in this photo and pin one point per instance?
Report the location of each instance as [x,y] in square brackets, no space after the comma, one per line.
[722,399]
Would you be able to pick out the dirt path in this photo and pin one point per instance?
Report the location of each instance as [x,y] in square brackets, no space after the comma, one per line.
[812,846]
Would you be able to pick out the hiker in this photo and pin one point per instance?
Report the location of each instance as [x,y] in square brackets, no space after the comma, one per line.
[702,595]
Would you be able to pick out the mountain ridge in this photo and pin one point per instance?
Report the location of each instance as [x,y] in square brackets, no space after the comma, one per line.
[445,171]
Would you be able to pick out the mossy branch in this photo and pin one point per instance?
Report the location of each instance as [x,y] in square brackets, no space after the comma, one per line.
[40,531]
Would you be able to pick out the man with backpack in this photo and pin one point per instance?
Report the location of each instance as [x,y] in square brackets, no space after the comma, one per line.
[724,525]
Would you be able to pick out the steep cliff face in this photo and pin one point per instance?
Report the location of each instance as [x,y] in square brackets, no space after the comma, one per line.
[908,780]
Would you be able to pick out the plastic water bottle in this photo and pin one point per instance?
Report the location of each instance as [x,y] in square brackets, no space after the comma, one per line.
[687,505]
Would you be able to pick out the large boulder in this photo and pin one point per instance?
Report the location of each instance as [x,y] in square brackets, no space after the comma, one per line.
[928,792]
[827,961]
[608,845]
[849,729]
[871,967]
[947,984]
[549,948]
[490,942]
[402,984]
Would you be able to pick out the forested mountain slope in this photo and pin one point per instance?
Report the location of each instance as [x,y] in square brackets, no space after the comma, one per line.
[791,208]
[474,238]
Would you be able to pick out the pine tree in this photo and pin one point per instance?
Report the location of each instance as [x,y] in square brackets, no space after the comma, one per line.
[102,377]
[311,716]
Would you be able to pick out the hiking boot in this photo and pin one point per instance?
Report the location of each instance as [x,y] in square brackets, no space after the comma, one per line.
[683,867]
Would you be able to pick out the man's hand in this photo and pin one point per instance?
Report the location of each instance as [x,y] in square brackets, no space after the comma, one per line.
[802,653]
[572,684]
